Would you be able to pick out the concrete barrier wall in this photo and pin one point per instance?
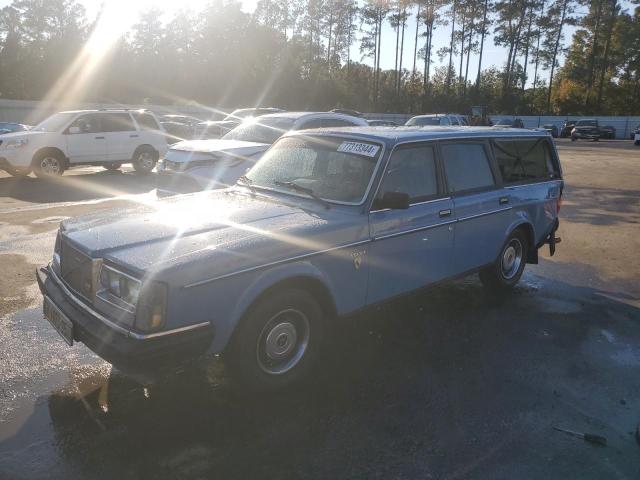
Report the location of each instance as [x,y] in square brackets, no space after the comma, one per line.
[32,112]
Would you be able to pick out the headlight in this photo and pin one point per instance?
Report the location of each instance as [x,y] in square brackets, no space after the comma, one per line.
[120,285]
[17,143]
[152,307]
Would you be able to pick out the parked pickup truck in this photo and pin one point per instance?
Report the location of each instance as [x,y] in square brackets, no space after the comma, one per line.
[328,222]
[589,128]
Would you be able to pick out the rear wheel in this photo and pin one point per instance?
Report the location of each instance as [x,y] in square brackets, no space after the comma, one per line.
[277,342]
[144,160]
[508,267]
[49,164]
[112,166]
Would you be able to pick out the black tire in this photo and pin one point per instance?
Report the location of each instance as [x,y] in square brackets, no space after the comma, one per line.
[112,166]
[277,342]
[573,139]
[18,172]
[504,274]
[144,160]
[637,143]
[49,164]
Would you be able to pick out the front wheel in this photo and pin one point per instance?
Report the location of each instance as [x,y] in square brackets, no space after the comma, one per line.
[508,267]
[277,342]
[144,160]
[49,164]
[573,139]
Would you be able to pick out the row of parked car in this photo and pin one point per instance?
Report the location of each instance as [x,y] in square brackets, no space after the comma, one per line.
[201,154]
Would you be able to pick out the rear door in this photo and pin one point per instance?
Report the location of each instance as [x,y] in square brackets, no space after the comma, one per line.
[121,134]
[411,248]
[531,178]
[482,210]
[89,144]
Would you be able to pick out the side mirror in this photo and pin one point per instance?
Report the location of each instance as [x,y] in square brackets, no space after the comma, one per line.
[393,201]
[74,130]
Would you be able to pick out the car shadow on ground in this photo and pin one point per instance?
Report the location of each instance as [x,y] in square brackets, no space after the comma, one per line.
[449,383]
[76,188]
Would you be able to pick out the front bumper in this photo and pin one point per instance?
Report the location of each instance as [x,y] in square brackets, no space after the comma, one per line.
[588,134]
[14,157]
[126,350]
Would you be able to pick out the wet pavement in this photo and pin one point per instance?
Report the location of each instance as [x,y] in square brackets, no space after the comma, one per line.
[449,383]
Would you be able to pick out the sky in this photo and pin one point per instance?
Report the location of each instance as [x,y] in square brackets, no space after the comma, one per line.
[125,12]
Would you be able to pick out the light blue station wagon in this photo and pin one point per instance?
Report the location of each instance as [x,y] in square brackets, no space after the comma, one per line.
[328,222]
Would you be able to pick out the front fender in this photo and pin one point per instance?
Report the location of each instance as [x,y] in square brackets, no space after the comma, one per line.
[263,282]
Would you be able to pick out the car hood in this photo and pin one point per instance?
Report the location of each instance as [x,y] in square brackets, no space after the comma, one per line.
[215,232]
[211,149]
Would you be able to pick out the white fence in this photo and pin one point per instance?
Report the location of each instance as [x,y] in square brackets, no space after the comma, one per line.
[32,112]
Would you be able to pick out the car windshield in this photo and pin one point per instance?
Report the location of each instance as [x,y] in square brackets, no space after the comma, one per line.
[54,123]
[421,121]
[586,123]
[334,169]
[266,130]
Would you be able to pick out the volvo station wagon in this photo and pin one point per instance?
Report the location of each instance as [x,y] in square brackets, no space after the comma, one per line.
[327,223]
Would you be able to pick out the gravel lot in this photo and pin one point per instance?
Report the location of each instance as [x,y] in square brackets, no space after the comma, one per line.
[450,383]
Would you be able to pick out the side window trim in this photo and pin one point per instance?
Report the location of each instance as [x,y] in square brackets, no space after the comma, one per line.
[440,195]
[497,180]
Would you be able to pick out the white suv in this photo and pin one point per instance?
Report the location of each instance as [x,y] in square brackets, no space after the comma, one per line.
[86,137]
[437,119]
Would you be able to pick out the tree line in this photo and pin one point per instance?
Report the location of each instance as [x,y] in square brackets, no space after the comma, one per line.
[320,54]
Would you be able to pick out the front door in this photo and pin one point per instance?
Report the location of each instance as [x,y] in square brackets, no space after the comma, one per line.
[483,214]
[411,248]
[88,143]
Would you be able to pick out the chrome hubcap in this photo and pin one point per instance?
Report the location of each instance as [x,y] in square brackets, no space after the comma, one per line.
[512,258]
[50,165]
[283,342]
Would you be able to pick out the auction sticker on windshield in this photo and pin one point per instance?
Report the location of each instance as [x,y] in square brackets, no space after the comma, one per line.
[359,148]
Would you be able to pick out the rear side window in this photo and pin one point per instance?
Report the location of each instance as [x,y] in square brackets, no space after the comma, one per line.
[146,121]
[117,122]
[524,160]
[412,171]
[466,166]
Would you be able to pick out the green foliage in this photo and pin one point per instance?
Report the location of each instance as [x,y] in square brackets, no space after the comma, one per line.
[300,54]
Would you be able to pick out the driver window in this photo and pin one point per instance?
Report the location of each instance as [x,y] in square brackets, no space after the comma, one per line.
[411,170]
[87,124]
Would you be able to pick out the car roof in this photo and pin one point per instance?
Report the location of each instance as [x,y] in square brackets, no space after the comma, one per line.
[392,135]
[298,115]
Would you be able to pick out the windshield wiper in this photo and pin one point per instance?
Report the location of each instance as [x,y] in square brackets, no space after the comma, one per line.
[301,189]
[248,183]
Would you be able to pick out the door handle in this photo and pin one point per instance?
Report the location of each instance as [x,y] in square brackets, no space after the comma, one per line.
[445,213]
[99,138]
[504,200]
[134,136]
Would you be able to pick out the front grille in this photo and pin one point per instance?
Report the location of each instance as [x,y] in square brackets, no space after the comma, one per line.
[78,270]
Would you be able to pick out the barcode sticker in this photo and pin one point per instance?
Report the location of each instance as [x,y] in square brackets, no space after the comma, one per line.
[365,149]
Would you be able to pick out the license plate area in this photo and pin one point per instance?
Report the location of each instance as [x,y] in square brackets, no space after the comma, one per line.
[58,320]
